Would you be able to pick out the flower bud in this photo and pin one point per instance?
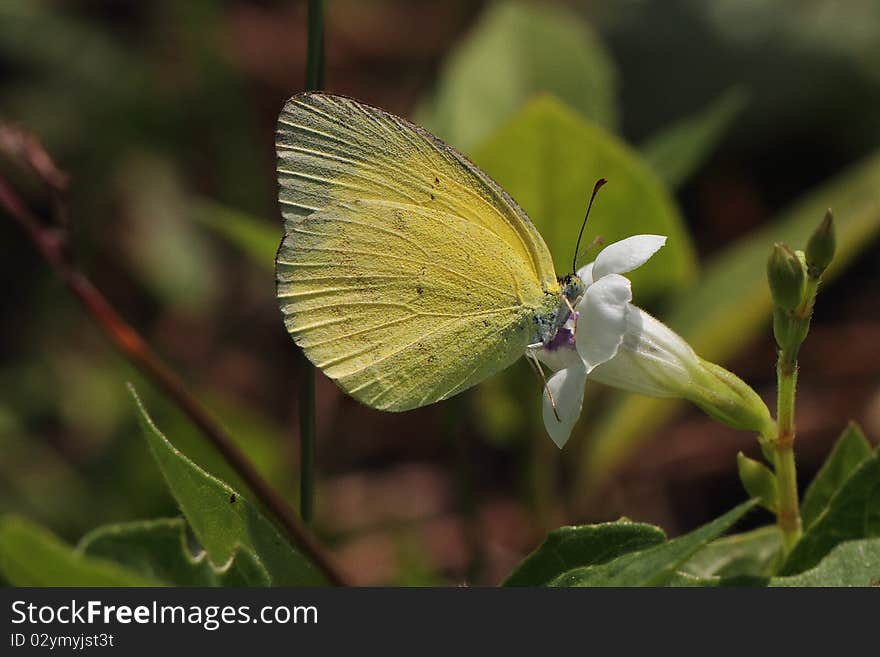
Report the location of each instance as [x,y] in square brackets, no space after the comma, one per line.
[786,276]
[758,481]
[820,247]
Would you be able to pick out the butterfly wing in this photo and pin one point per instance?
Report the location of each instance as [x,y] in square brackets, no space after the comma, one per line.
[332,148]
[390,300]
[405,273]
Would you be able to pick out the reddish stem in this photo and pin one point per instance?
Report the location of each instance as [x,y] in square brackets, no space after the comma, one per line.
[52,246]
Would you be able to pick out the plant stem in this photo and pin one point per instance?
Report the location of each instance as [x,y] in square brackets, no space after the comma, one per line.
[53,246]
[788,517]
[315,52]
[307,443]
[307,429]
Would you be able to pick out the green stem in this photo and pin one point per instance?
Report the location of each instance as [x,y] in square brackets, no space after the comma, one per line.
[315,54]
[788,517]
[314,81]
[805,312]
[307,444]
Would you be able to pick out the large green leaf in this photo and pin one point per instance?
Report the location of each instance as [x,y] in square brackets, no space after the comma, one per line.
[731,305]
[31,555]
[854,563]
[747,554]
[678,150]
[548,158]
[654,566]
[516,50]
[252,431]
[850,450]
[811,33]
[852,513]
[158,549]
[222,519]
[567,548]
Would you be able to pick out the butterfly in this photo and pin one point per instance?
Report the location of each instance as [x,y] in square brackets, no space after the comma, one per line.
[406,274]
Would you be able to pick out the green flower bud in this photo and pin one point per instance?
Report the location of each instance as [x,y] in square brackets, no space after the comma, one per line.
[786,276]
[820,247]
[758,481]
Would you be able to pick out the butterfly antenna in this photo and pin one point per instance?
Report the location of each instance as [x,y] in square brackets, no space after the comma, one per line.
[577,246]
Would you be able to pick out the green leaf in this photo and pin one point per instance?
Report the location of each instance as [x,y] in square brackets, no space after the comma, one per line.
[158,549]
[548,159]
[515,51]
[255,237]
[222,519]
[851,514]
[850,450]
[31,555]
[677,151]
[686,580]
[731,305]
[248,427]
[854,563]
[567,548]
[654,566]
[751,553]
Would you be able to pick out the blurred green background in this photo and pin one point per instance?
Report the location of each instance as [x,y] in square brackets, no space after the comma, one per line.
[724,124]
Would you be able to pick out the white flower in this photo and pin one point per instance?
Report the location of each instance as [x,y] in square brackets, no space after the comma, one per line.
[593,335]
[611,341]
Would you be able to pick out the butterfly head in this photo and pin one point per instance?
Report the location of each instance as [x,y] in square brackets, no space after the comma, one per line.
[559,311]
[572,289]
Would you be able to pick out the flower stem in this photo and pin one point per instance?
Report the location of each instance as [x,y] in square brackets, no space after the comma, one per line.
[788,517]
[307,443]
[315,49]
[307,431]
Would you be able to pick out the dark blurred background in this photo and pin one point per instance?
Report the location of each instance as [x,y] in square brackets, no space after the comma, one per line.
[163,114]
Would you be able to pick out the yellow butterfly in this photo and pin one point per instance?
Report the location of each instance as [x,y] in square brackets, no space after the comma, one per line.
[406,274]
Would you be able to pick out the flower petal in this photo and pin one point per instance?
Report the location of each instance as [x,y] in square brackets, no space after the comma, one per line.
[626,255]
[567,390]
[627,371]
[585,273]
[559,353]
[652,360]
[602,319]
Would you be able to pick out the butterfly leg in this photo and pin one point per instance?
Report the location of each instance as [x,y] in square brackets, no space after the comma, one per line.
[574,314]
[537,369]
